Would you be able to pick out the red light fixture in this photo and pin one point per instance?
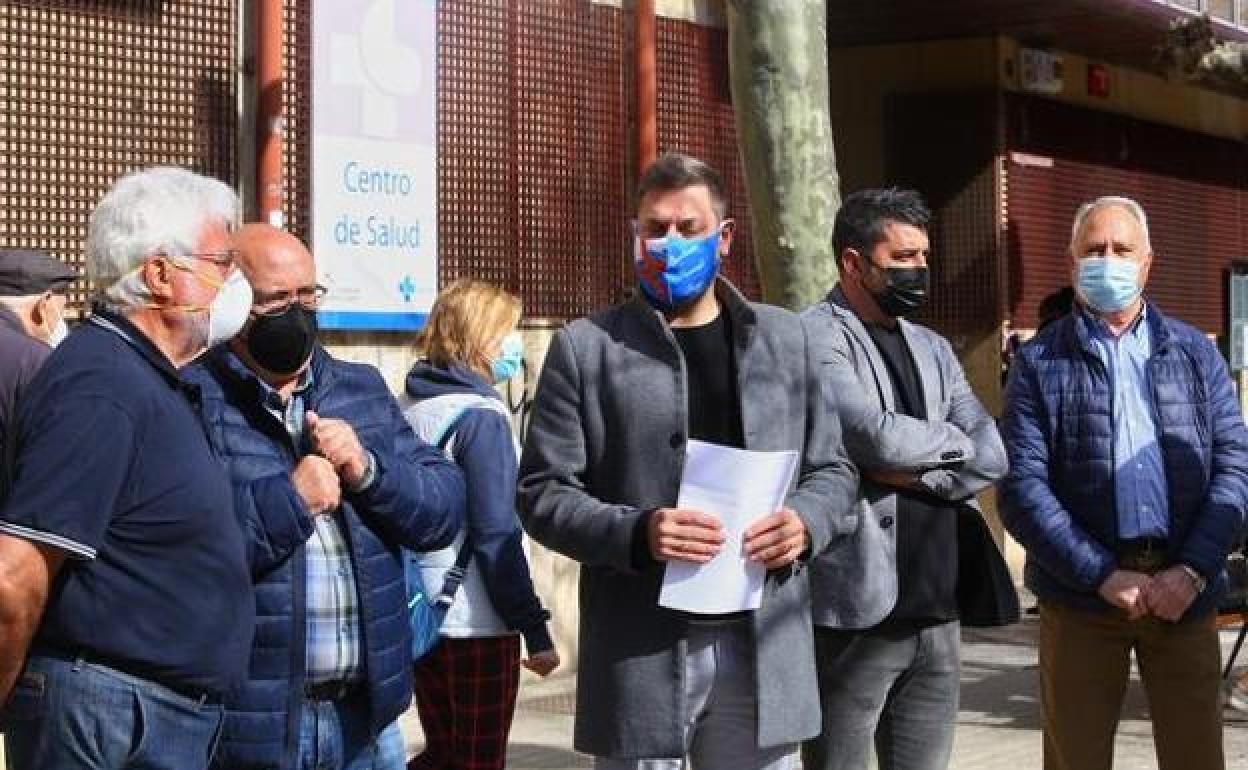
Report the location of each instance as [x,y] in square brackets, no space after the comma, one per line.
[1098,81]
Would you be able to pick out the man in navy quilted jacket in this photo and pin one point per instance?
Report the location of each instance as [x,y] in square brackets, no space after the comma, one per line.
[329,481]
[1127,486]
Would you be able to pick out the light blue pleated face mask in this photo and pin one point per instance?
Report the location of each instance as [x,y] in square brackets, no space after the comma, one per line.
[509,361]
[1108,284]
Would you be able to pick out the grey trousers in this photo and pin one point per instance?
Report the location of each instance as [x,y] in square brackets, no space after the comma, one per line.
[721,724]
[896,688]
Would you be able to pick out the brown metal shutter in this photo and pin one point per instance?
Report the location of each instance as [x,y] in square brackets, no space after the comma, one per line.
[535,138]
[96,89]
[1194,189]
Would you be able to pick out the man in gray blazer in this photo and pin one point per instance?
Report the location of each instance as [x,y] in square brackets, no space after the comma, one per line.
[620,395]
[886,598]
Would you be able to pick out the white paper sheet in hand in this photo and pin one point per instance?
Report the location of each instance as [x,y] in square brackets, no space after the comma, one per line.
[738,487]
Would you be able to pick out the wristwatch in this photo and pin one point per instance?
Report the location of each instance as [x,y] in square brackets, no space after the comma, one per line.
[1198,580]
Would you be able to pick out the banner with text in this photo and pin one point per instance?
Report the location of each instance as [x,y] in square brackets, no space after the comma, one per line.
[374,161]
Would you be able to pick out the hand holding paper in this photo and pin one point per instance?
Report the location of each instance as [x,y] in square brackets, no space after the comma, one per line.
[685,535]
[743,491]
[776,540]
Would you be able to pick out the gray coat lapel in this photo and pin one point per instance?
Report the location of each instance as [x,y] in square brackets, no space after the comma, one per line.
[866,345]
[744,325]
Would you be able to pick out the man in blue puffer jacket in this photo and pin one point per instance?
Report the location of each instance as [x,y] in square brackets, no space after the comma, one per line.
[1128,461]
[329,481]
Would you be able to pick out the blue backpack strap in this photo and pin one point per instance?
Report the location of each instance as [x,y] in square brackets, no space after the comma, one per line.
[455,575]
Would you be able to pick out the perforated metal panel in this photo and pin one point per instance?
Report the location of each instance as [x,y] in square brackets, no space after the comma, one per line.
[571,156]
[478,230]
[696,116]
[92,90]
[531,136]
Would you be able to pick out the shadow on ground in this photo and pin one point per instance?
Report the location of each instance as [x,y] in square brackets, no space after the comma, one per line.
[1001,680]
[530,756]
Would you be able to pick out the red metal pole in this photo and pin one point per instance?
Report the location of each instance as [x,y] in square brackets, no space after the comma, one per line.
[269,78]
[647,85]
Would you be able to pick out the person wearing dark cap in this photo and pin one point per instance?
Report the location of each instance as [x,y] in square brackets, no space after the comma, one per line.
[32,322]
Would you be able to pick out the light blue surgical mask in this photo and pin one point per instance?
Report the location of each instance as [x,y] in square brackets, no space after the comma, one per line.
[1108,284]
[673,270]
[509,361]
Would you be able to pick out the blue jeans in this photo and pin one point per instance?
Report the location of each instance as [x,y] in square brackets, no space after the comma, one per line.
[74,715]
[896,687]
[334,735]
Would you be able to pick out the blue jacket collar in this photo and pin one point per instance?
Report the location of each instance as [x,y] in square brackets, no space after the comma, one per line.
[428,380]
[240,375]
[1077,331]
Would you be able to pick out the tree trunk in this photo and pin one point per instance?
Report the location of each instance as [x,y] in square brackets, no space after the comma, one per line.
[779,70]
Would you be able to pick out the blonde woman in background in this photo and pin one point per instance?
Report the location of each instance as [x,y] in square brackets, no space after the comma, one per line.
[466,686]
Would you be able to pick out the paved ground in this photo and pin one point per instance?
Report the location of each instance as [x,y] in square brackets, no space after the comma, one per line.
[998,727]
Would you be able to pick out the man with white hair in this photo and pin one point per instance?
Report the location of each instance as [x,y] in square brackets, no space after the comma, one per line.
[1127,486]
[124,579]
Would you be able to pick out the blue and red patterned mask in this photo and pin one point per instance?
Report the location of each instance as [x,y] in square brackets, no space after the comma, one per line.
[674,271]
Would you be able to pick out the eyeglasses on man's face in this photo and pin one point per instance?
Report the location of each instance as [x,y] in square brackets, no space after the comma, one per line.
[278,302]
[223,260]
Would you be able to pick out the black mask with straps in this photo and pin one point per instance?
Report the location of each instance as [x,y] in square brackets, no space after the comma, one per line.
[282,343]
[904,293]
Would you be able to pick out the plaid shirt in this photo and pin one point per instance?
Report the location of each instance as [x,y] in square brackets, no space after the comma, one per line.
[331,602]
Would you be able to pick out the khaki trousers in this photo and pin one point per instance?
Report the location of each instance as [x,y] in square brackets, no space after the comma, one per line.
[1085,660]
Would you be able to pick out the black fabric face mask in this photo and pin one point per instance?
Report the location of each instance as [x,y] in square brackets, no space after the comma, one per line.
[282,343]
[905,292]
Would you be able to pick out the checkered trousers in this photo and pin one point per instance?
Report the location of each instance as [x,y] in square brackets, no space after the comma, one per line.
[466,695]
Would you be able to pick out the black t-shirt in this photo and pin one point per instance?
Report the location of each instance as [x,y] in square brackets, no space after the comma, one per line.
[927,530]
[714,404]
[116,470]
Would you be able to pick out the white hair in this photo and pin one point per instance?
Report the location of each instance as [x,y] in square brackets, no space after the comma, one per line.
[1133,208]
[161,210]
